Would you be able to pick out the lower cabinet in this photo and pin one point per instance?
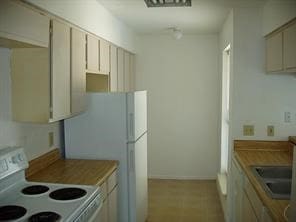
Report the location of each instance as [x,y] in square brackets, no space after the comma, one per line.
[112,205]
[247,207]
[237,184]
[109,195]
[248,214]
[104,212]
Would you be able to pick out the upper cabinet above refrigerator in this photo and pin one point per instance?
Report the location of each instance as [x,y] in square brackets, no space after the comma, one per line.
[21,27]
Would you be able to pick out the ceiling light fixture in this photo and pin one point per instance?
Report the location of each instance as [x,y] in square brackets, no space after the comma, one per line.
[177,33]
[168,3]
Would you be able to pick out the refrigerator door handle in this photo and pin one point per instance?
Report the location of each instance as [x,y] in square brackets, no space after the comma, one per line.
[132,161]
[131,124]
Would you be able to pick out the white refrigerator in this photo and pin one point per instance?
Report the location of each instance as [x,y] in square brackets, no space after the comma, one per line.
[292,212]
[115,127]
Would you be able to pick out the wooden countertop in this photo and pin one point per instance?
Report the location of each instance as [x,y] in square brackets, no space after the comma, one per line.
[264,153]
[71,171]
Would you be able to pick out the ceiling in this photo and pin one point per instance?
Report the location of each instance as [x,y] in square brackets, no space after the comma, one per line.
[205,16]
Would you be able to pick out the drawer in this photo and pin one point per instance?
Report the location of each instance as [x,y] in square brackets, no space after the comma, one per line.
[104,190]
[254,199]
[112,181]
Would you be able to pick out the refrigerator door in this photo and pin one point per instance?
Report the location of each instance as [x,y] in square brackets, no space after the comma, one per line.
[136,115]
[138,181]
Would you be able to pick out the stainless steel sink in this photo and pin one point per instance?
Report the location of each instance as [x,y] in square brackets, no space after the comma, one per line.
[275,180]
[284,172]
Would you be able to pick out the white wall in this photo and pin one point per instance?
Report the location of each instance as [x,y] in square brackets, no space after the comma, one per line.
[183,104]
[33,137]
[259,99]
[276,13]
[92,16]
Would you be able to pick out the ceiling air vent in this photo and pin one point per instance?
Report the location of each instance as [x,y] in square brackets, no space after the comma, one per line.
[168,3]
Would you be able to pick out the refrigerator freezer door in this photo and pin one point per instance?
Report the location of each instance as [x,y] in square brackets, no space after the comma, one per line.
[138,180]
[137,115]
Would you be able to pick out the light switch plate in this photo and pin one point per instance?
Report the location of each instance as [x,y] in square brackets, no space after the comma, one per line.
[270,130]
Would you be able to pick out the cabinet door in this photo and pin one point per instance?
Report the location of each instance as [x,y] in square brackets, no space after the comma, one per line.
[274,53]
[113,68]
[60,71]
[127,72]
[22,25]
[290,47]
[248,214]
[112,206]
[78,75]
[104,57]
[237,183]
[132,73]
[92,54]
[104,212]
[120,68]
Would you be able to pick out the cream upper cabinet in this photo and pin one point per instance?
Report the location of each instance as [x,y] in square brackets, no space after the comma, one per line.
[281,49]
[104,57]
[120,68]
[274,53]
[41,79]
[113,68]
[92,54]
[60,68]
[290,48]
[78,76]
[127,72]
[22,27]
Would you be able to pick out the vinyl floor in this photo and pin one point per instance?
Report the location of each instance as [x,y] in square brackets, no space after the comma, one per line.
[183,201]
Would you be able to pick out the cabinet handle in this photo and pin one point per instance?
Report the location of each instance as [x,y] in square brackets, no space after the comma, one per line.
[132,165]
[131,122]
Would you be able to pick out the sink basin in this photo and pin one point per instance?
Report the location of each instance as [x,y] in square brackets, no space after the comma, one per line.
[275,180]
[284,172]
[280,189]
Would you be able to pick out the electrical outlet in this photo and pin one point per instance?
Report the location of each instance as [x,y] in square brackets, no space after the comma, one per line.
[270,130]
[50,139]
[248,130]
[287,117]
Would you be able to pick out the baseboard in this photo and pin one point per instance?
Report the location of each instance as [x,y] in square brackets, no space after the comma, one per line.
[168,177]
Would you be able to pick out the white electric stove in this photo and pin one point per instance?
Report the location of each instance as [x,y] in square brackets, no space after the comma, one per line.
[21,200]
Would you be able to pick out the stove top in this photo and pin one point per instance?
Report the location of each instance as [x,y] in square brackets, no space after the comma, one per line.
[21,200]
[27,200]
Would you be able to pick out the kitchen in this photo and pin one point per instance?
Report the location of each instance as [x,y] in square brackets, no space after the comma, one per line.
[177,101]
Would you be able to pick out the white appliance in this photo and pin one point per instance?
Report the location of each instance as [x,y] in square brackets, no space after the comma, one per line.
[292,212]
[21,200]
[115,127]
